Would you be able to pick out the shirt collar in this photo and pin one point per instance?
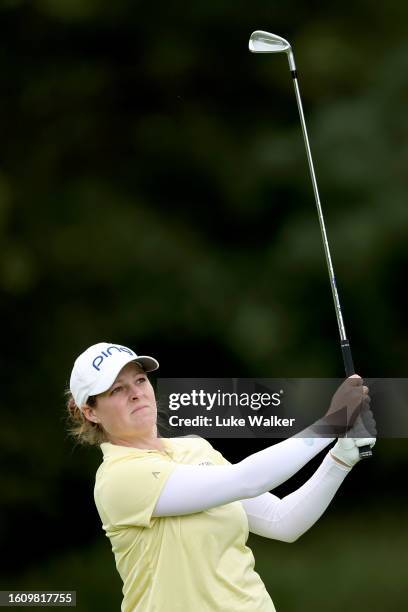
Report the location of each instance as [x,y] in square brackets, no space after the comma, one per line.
[115,450]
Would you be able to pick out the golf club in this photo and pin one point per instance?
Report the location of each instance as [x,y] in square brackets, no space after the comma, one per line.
[265,42]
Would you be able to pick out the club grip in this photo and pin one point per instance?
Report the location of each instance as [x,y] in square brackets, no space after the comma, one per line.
[347,358]
[364,451]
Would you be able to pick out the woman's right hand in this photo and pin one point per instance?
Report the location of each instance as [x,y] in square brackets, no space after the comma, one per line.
[347,403]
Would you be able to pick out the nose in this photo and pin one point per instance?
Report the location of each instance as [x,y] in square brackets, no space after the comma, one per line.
[135,391]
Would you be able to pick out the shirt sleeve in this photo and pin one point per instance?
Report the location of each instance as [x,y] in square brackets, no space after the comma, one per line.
[129,489]
[215,455]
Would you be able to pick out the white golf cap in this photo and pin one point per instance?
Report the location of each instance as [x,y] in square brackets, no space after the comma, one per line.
[96,368]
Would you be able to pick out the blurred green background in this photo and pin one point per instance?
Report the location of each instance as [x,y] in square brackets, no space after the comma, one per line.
[154,191]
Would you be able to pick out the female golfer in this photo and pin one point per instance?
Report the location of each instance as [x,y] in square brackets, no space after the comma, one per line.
[176,512]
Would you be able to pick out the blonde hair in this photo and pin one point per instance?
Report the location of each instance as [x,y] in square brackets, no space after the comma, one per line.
[79,427]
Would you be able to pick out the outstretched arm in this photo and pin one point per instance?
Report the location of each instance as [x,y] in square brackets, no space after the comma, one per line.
[288,518]
[194,488]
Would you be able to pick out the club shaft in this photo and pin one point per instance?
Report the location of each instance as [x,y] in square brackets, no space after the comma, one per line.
[337,306]
[365,451]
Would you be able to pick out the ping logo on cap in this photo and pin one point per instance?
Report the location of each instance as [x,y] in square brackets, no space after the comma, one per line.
[97,362]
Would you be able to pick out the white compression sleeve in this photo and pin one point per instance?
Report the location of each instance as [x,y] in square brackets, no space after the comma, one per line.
[194,488]
[288,518]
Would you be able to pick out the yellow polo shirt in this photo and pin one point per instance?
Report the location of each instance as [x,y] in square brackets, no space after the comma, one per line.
[196,562]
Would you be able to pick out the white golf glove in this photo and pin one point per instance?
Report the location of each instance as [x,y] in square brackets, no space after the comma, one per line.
[347,449]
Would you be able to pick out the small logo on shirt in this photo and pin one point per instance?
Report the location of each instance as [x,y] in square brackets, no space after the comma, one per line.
[156,474]
[206,463]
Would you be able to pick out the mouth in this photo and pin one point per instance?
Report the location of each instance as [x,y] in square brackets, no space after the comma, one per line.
[138,409]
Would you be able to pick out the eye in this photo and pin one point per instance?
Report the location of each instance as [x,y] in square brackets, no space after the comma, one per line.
[116,389]
[141,379]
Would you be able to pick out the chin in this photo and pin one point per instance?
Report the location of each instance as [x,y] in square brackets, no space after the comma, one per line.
[145,415]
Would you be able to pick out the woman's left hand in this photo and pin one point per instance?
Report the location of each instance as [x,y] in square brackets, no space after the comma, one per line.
[346,450]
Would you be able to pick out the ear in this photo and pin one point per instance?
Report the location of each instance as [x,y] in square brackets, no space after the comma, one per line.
[89,413]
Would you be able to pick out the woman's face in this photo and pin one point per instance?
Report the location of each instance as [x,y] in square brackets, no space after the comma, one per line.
[127,410]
